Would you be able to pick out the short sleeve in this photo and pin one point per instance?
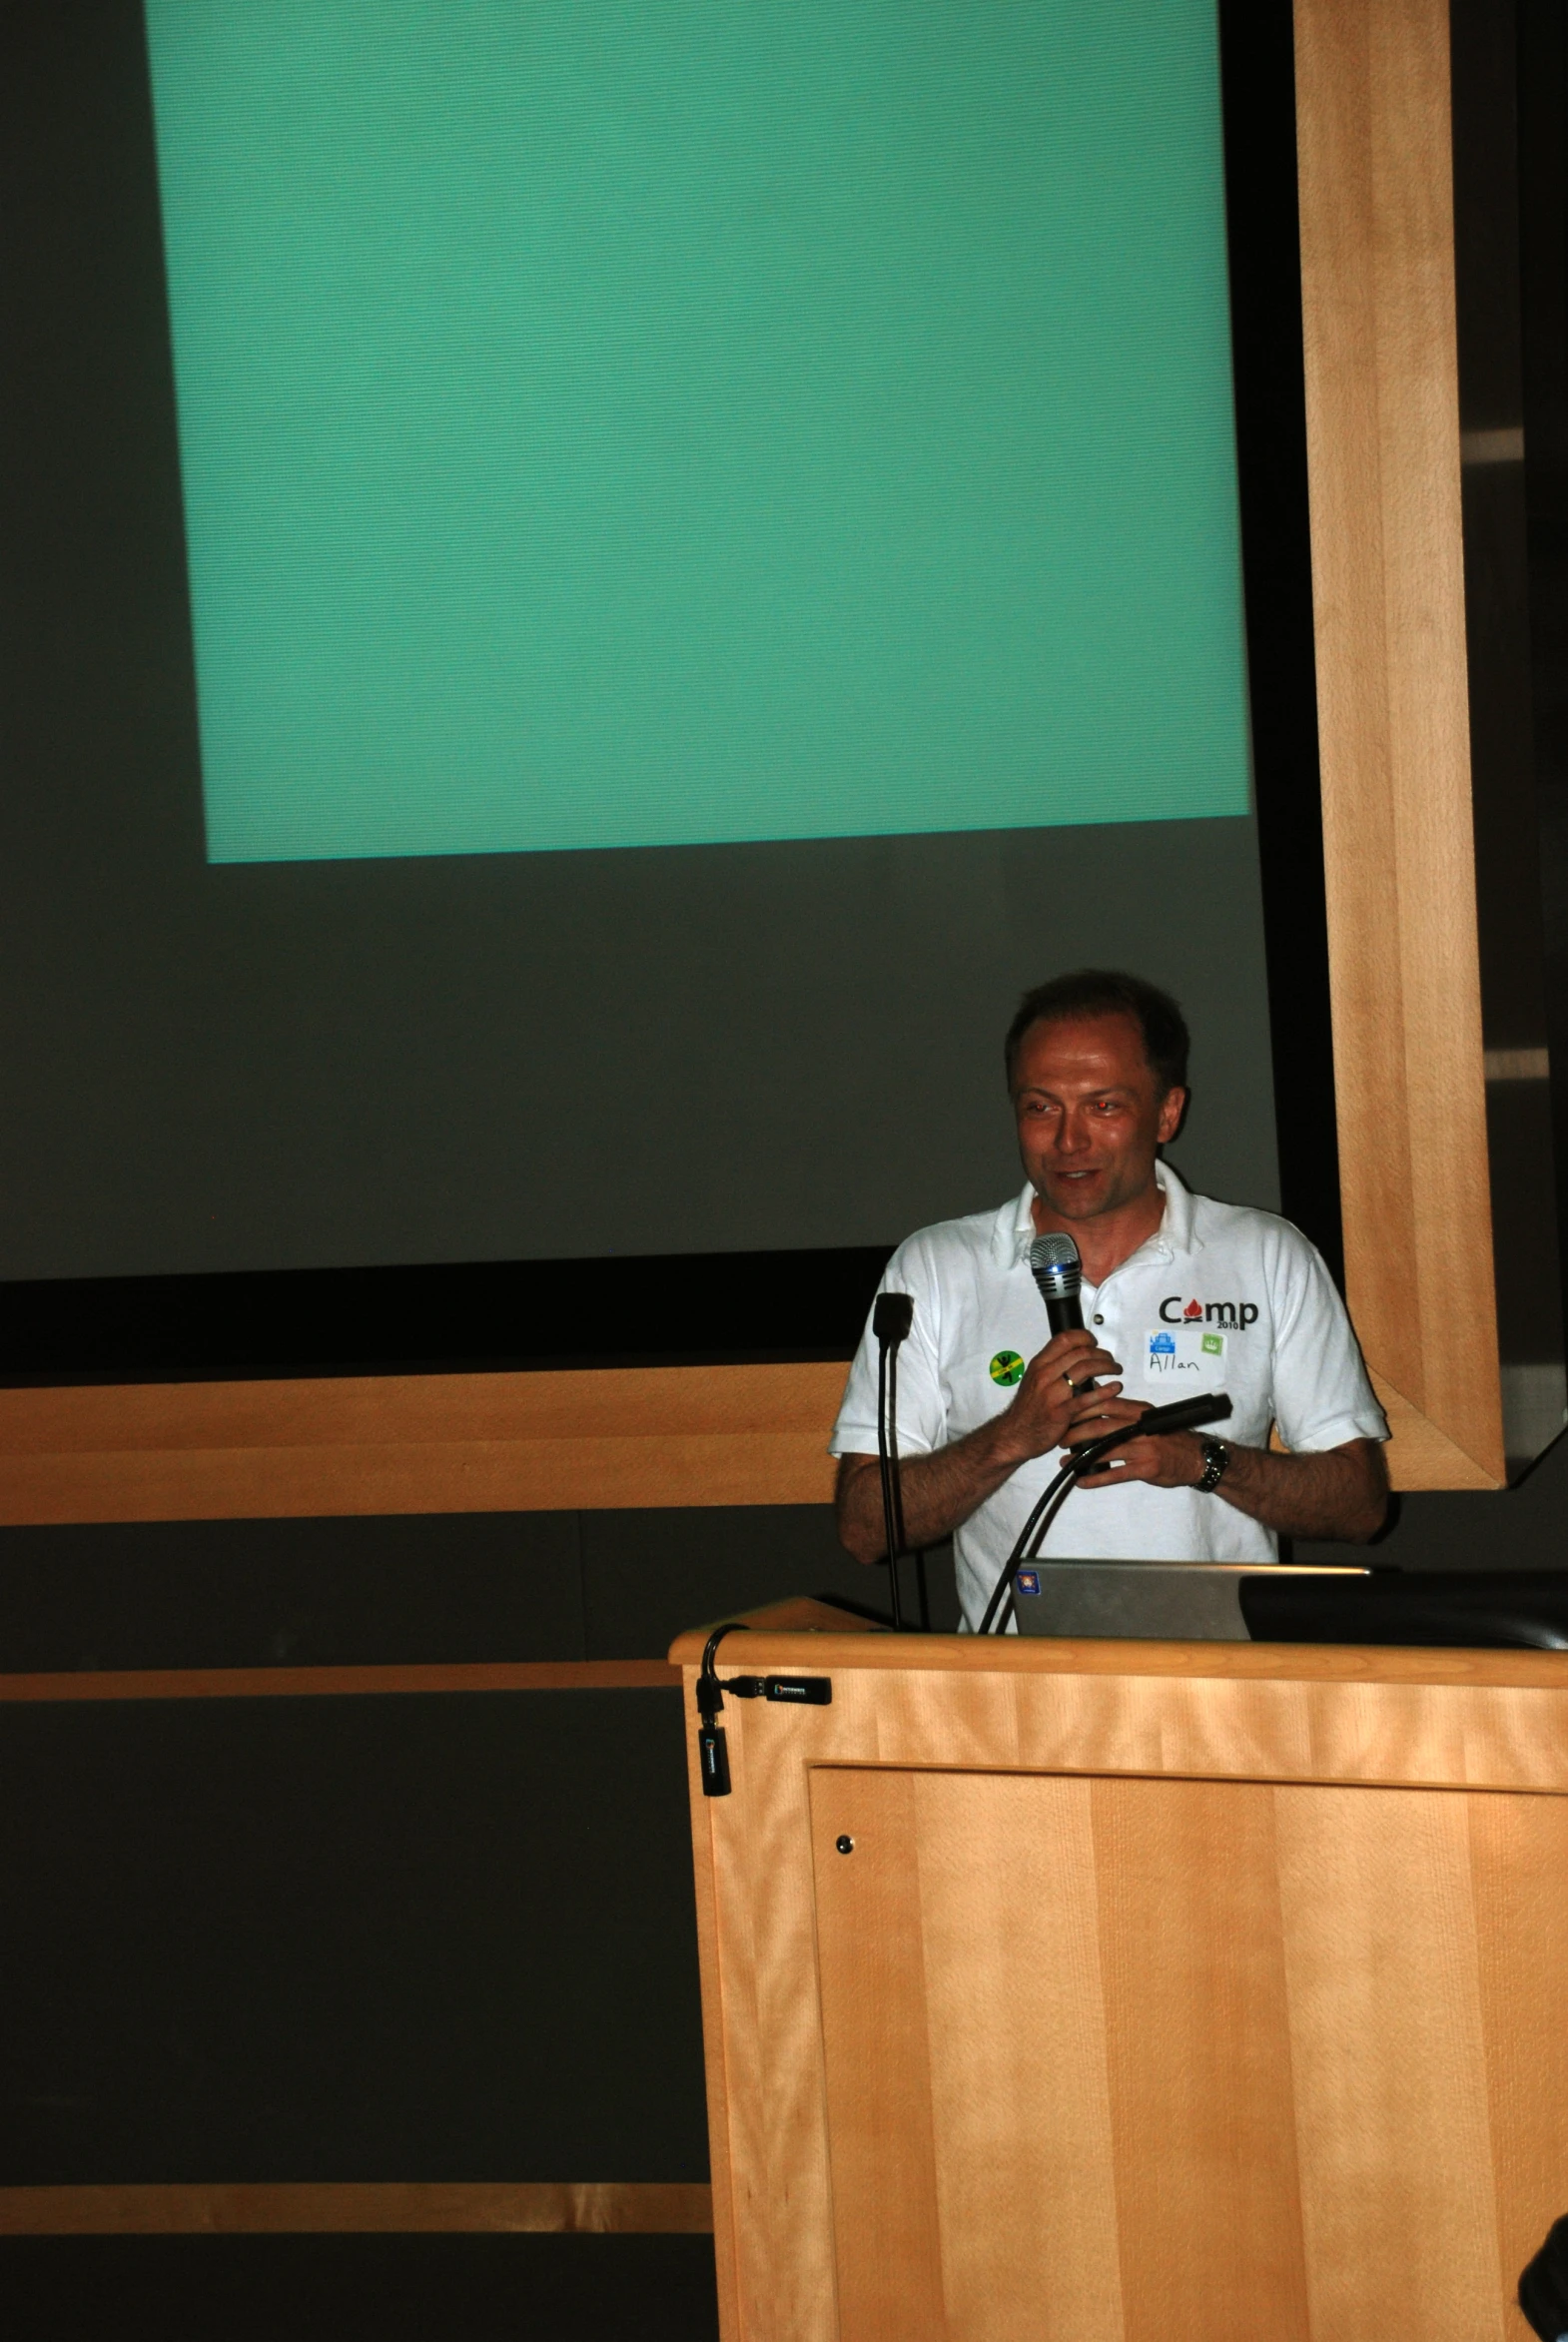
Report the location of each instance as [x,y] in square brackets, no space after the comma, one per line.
[922,1412]
[1322,1393]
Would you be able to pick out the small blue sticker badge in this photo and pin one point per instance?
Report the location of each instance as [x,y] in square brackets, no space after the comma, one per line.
[1027,1581]
[1162,1345]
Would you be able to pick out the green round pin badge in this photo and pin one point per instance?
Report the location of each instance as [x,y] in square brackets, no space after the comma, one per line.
[1007,1367]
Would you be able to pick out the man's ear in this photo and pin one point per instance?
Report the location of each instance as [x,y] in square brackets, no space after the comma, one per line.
[1172,1114]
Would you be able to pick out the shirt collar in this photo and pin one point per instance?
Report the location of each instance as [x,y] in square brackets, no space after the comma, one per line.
[1015,1229]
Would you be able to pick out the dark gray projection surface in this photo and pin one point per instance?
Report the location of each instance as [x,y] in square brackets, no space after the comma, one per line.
[693,1049]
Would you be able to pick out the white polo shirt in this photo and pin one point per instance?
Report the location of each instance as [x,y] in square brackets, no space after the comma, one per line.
[1220,1297]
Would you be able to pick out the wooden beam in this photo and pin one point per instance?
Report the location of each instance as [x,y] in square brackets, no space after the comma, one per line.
[1534,1751]
[419,1443]
[1383,405]
[337,1683]
[1420,1455]
[338,2209]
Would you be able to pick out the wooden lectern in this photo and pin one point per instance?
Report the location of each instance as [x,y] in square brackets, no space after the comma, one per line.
[1174,1992]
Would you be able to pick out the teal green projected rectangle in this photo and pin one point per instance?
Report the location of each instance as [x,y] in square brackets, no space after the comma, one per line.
[632,422]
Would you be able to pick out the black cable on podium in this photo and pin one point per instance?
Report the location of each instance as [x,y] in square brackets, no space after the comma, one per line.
[1182,1415]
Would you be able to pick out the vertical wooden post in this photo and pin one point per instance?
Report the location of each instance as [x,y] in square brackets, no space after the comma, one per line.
[1382,405]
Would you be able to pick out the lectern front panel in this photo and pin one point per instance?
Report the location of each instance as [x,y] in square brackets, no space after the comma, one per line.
[1137,1993]
[1177,2060]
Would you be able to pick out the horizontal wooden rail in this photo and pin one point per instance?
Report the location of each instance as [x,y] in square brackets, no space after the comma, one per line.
[777,1642]
[295,1683]
[419,1443]
[392,2207]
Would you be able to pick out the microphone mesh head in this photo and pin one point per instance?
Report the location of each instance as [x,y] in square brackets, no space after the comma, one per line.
[1055,1265]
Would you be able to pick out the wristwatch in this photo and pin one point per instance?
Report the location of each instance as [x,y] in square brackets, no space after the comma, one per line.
[1217,1458]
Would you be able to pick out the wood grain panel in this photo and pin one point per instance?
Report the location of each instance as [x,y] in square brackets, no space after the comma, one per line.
[1392,2128]
[1377,282]
[1026,2208]
[411,1443]
[1068,1975]
[877,2056]
[470,2207]
[1419,1454]
[634,1404]
[337,1683]
[1518,1866]
[1199,1726]
[1060,1659]
[1194,1987]
[1178,2061]
[719,2012]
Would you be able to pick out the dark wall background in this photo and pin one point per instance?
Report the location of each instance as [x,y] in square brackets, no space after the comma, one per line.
[410,1937]
[361,2288]
[363,1938]
[402,1590]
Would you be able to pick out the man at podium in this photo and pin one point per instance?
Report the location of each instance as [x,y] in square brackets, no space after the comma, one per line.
[1180,1293]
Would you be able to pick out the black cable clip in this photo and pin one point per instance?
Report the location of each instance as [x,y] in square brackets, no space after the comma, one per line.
[790,1690]
[786,1691]
[712,1751]
[799,1691]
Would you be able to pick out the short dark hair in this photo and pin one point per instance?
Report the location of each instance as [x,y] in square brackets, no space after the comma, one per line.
[1107,992]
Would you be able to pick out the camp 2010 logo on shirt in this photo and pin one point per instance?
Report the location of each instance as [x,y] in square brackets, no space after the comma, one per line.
[1175,1311]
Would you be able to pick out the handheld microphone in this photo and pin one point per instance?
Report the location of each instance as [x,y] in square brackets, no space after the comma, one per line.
[1058,1271]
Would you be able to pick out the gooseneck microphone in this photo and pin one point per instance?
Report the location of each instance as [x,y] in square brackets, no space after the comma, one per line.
[1058,1271]
[890,1319]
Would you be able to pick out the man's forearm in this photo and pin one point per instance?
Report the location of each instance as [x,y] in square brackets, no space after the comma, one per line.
[939,1492]
[1342,1494]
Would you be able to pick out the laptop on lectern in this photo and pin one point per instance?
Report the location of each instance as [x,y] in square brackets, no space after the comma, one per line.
[1233,1602]
[1182,1601]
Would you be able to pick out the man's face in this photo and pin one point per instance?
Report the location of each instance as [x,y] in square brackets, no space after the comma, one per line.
[1091,1114]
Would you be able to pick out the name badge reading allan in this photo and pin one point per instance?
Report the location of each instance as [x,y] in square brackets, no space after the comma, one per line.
[1183,1358]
